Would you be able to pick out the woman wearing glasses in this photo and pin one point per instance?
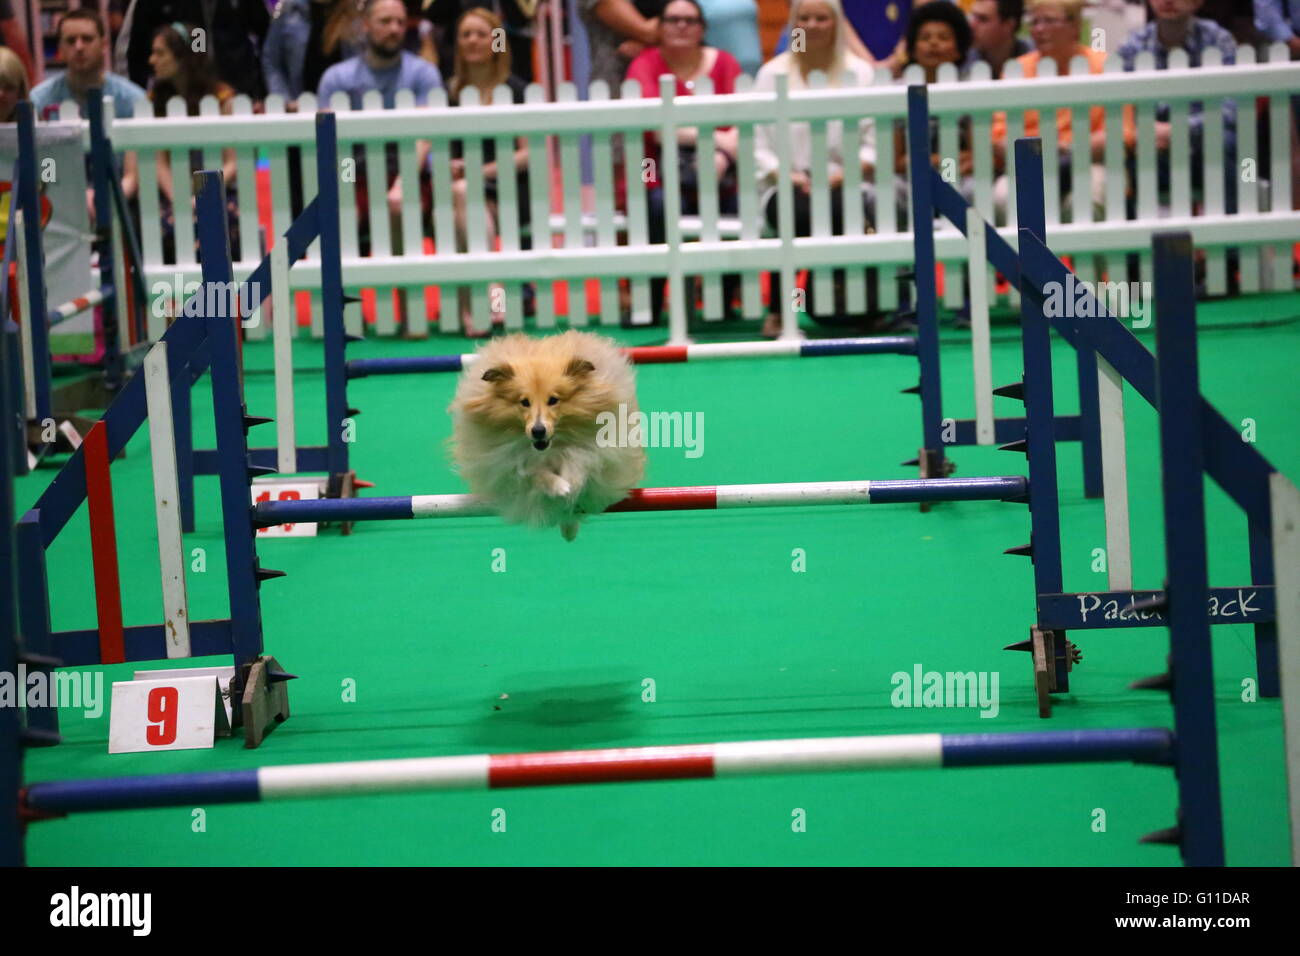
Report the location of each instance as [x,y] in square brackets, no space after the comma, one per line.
[681,53]
[1054,26]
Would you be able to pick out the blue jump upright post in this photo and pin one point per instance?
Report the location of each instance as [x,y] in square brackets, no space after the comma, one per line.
[939,198]
[37,305]
[1238,468]
[931,458]
[319,220]
[1053,654]
[11,767]
[332,300]
[1200,829]
[120,357]
[243,574]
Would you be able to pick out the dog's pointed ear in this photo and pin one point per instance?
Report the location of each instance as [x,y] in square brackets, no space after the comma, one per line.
[499,374]
[579,367]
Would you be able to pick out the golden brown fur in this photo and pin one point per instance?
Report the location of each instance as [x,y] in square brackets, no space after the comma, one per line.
[539,463]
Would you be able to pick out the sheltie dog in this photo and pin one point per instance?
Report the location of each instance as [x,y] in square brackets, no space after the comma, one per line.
[525,422]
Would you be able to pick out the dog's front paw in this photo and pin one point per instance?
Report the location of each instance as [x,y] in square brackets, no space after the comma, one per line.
[556,485]
[569,529]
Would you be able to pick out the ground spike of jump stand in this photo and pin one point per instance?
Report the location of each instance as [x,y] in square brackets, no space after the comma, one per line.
[1158,603]
[37,737]
[1163,681]
[43,661]
[1170,836]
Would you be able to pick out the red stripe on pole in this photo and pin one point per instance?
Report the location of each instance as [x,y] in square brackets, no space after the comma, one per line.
[600,766]
[103,545]
[703,498]
[656,354]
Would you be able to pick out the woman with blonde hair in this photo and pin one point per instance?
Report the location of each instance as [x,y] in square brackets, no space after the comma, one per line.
[13,84]
[484,65]
[818,43]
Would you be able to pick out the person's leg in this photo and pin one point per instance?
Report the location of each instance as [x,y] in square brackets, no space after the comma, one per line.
[784,299]
[772,324]
[655,231]
[496,292]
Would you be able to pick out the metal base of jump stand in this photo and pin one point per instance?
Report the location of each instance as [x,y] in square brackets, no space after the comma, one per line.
[344,486]
[933,464]
[1054,658]
[265,701]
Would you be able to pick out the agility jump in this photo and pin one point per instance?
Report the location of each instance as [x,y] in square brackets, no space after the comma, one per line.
[1190,749]
[1106,344]
[193,342]
[120,292]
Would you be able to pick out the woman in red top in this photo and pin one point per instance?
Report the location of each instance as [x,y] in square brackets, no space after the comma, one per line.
[681,52]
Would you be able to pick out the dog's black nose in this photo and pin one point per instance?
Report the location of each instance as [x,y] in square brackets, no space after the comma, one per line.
[539,431]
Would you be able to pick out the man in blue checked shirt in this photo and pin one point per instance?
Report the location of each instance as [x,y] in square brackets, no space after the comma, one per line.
[1176,26]
[1279,21]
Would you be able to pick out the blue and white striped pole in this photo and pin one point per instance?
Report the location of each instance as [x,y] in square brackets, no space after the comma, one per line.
[694,498]
[615,765]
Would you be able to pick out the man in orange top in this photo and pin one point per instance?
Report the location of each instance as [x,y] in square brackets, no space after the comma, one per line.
[1054,26]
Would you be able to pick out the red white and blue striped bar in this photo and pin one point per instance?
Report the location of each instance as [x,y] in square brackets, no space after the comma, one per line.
[663,354]
[615,765]
[697,498]
[76,306]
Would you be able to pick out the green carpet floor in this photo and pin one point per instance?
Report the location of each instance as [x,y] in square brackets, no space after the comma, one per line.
[694,627]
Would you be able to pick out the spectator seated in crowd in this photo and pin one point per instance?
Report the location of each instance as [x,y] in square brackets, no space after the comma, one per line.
[181,73]
[484,66]
[1278,21]
[732,25]
[387,67]
[682,54]
[13,84]
[821,27]
[994,25]
[232,32]
[1176,26]
[81,49]
[616,34]
[336,32]
[937,33]
[285,51]
[14,39]
[1055,28]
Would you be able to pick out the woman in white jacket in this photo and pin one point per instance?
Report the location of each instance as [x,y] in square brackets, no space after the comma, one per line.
[817,43]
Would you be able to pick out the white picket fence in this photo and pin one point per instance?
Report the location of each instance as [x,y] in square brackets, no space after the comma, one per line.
[592,239]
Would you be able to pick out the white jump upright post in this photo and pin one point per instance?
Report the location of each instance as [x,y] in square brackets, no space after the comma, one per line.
[166,486]
[1114,466]
[981,353]
[282,317]
[1286,568]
